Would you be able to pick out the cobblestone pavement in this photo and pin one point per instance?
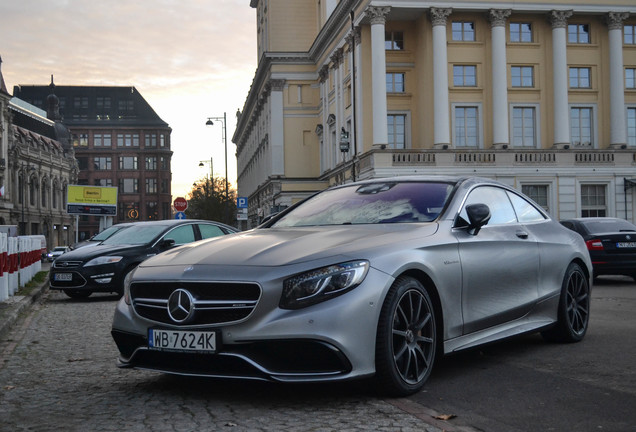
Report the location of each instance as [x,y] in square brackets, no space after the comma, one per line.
[57,372]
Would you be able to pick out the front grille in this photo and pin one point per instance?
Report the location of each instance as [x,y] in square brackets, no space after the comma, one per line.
[66,264]
[214,302]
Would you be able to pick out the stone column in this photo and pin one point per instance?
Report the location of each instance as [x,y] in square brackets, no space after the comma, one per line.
[498,19]
[559,22]
[377,16]
[618,125]
[277,140]
[441,115]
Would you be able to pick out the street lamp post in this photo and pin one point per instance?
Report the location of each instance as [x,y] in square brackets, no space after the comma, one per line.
[203,162]
[210,122]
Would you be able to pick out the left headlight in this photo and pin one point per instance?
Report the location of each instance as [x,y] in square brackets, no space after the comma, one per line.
[127,280]
[318,285]
[103,260]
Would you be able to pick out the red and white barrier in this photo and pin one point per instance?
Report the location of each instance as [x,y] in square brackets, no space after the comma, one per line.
[4,276]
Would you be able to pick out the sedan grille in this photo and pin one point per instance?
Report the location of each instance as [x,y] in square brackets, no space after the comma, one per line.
[214,303]
[66,264]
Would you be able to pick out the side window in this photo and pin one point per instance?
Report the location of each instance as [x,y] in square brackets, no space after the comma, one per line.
[209,231]
[501,211]
[181,235]
[526,212]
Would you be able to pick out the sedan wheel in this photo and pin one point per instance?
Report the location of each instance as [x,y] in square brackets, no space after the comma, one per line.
[574,307]
[406,338]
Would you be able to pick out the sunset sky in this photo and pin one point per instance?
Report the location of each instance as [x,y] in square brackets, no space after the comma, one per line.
[190,59]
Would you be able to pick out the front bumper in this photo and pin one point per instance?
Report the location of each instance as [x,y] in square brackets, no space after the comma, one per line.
[333,340]
[104,278]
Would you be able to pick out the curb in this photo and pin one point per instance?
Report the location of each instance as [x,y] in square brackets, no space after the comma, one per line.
[13,307]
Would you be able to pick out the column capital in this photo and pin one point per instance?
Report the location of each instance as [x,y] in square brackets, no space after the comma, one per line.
[498,17]
[377,14]
[614,20]
[438,16]
[276,84]
[323,73]
[559,18]
[337,57]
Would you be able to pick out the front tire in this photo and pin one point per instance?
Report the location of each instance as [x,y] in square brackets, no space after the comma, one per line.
[574,307]
[406,340]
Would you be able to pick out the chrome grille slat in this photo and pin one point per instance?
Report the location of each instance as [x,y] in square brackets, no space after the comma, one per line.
[214,303]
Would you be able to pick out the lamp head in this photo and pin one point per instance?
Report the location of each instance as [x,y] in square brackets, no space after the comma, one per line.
[209,122]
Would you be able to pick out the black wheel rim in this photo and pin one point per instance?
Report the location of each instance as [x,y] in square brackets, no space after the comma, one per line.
[577,302]
[413,337]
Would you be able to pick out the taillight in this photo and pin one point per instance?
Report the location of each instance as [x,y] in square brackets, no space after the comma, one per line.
[594,244]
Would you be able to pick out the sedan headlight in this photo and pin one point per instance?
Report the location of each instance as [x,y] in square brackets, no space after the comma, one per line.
[318,285]
[103,260]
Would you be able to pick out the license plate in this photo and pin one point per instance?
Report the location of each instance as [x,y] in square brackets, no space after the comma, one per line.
[182,340]
[63,276]
[626,245]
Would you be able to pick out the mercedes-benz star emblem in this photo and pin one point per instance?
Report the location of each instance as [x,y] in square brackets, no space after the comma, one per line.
[180,306]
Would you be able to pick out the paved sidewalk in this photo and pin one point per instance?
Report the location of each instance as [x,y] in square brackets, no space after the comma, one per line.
[14,306]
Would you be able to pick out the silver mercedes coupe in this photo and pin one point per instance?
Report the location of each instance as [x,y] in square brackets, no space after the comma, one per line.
[370,279]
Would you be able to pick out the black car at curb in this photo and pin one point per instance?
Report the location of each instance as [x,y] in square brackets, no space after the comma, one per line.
[102,268]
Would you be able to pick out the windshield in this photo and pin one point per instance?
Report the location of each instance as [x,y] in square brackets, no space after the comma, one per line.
[373,203]
[135,235]
[107,233]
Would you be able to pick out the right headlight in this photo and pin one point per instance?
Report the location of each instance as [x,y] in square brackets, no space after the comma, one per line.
[318,285]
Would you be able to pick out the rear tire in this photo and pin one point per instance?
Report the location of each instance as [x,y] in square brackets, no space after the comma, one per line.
[406,340]
[574,307]
[77,294]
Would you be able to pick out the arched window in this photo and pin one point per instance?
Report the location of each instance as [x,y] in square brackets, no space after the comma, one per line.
[45,192]
[33,188]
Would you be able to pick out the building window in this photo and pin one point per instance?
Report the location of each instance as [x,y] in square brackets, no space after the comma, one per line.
[630,78]
[393,41]
[593,201]
[103,182]
[631,126]
[580,77]
[166,210]
[165,163]
[522,76]
[126,106]
[151,163]
[463,31]
[82,163]
[128,163]
[162,140]
[629,32]
[538,193]
[128,140]
[395,83]
[524,127]
[102,163]
[579,33]
[151,186]
[103,103]
[102,140]
[152,210]
[165,186]
[80,102]
[466,126]
[581,126]
[128,211]
[44,192]
[397,131]
[521,32]
[465,76]
[128,186]
[151,140]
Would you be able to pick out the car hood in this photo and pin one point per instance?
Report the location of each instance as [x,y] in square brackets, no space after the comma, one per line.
[283,246]
[86,253]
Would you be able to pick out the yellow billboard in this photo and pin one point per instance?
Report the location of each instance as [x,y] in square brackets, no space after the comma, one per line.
[95,200]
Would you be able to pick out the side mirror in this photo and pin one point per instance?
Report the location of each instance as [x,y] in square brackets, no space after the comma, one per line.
[166,243]
[478,216]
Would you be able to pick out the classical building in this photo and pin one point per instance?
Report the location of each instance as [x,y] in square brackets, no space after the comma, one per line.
[37,164]
[119,141]
[541,96]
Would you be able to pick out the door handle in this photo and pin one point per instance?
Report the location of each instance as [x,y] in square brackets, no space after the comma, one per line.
[522,234]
